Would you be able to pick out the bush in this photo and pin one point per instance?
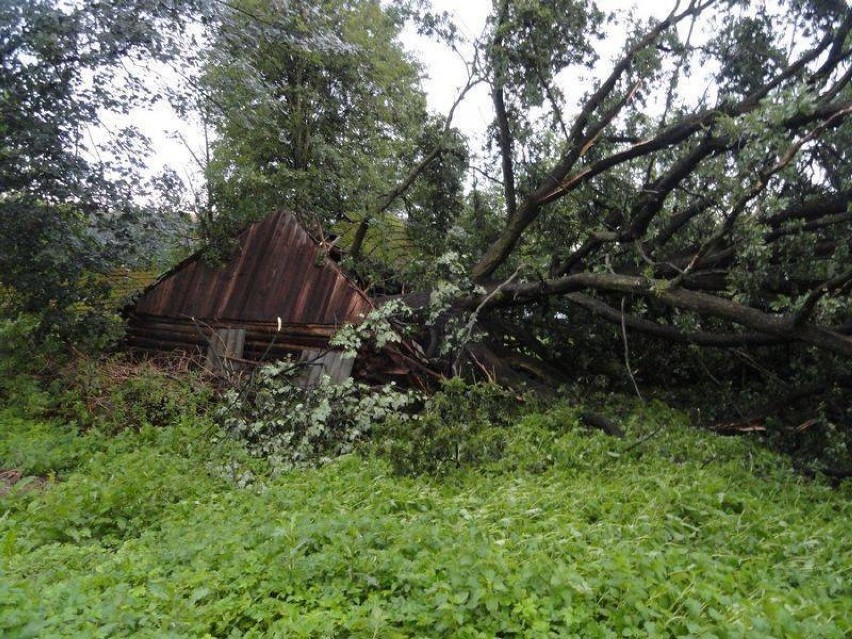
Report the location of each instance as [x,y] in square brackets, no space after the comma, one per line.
[461,425]
[45,378]
[38,447]
[21,363]
[115,394]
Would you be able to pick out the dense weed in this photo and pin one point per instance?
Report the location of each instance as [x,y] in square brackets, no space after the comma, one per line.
[565,532]
[116,394]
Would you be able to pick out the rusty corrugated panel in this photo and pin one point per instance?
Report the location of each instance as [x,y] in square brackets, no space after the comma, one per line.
[278,271]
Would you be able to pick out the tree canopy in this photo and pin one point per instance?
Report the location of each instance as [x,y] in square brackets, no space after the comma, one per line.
[317,108]
[68,208]
[693,192]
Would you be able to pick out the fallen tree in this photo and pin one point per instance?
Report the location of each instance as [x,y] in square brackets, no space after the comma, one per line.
[699,190]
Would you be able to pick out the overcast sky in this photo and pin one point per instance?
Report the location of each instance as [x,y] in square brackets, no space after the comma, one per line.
[445,72]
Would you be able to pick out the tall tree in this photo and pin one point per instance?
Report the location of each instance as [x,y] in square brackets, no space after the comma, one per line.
[317,108]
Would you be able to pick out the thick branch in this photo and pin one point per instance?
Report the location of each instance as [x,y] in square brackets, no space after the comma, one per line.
[821,223]
[388,199]
[653,200]
[504,133]
[701,303]
[836,54]
[649,204]
[505,140]
[676,223]
[580,140]
[670,333]
[812,209]
[558,183]
[809,306]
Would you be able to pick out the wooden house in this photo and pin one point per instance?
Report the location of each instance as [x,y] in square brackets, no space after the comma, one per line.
[279,294]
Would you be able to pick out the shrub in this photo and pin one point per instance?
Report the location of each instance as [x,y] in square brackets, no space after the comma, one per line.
[115,394]
[461,425]
[21,361]
[38,447]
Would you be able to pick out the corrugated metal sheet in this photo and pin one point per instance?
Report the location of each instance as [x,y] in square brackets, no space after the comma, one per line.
[279,271]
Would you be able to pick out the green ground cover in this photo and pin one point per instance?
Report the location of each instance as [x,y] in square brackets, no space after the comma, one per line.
[158,533]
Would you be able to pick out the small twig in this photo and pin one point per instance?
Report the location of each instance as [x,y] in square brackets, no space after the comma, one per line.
[634,445]
[641,441]
[627,351]
[650,262]
[760,369]
[488,374]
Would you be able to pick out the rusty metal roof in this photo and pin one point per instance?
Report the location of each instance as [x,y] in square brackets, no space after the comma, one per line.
[279,271]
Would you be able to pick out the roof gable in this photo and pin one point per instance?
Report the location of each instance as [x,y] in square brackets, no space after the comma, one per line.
[278,272]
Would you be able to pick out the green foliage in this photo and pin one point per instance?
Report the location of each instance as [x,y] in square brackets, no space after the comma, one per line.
[535,41]
[379,328]
[20,361]
[336,108]
[67,216]
[112,395]
[685,535]
[41,447]
[123,494]
[748,53]
[435,202]
[278,418]
[460,426]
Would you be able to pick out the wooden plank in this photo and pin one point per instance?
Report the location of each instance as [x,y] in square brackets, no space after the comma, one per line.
[337,367]
[313,367]
[156,344]
[250,340]
[266,328]
[226,347]
[216,349]
[319,363]
[236,340]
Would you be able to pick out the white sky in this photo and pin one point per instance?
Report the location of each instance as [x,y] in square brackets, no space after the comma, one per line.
[444,76]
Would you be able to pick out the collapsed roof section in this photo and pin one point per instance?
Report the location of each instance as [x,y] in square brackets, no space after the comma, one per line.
[279,271]
[280,288]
